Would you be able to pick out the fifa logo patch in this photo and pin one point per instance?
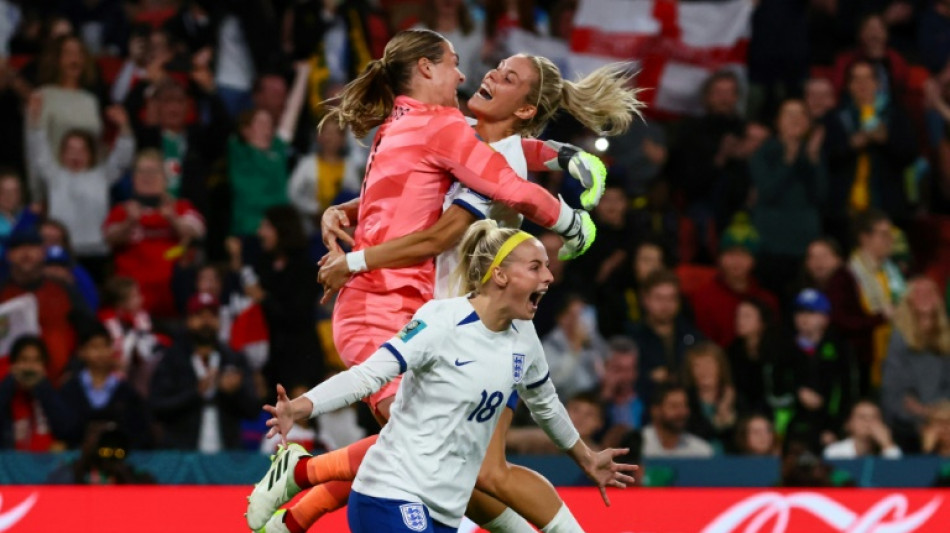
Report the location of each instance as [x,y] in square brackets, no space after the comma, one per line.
[409,331]
[414,516]
[517,366]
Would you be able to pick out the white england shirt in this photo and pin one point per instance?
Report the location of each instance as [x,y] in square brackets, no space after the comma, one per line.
[482,207]
[458,377]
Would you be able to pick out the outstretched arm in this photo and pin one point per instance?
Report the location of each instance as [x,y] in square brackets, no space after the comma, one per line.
[339,391]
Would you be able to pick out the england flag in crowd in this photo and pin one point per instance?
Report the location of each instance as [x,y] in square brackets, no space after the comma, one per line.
[675,44]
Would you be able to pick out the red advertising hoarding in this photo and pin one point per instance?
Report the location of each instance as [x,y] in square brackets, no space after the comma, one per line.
[163,509]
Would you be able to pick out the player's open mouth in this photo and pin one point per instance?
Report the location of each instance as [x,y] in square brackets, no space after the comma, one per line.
[484,92]
[535,298]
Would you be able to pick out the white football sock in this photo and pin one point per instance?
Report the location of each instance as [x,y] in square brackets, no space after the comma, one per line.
[508,522]
[563,522]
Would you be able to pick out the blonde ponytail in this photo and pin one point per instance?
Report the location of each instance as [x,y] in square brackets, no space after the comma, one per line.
[367,101]
[479,246]
[604,101]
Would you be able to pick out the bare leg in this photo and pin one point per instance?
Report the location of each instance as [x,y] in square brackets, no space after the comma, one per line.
[499,483]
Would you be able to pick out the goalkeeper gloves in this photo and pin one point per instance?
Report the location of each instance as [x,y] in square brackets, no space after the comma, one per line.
[582,166]
[577,229]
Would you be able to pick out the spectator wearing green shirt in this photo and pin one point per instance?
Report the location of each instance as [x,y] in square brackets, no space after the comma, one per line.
[257,161]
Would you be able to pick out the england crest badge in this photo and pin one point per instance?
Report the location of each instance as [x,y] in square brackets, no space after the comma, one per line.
[517,366]
[414,516]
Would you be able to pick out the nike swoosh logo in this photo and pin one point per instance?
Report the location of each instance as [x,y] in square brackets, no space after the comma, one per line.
[463,363]
[9,518]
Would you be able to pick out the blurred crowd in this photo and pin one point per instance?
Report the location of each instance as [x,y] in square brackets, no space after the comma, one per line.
[769,275]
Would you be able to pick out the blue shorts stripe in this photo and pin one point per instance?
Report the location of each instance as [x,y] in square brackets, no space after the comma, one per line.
[402,361]
[539,382]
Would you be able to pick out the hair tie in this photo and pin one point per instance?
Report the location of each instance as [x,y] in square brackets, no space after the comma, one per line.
[510,244]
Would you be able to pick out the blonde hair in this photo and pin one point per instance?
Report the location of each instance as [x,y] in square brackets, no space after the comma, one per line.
[367,101]
[479,246]
[604,101]
[905,320]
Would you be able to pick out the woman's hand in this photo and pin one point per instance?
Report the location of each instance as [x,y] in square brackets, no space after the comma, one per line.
[332,223]
[282,416]
[601,468]
[334,273]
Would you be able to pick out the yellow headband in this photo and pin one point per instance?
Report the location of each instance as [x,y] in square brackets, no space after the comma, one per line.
[503,252]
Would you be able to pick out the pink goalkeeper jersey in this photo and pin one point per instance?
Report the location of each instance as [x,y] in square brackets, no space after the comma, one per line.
[415,155]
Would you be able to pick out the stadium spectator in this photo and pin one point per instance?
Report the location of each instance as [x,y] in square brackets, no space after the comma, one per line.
[33,415]
[868,141]
[819,99]
[257,170]
[574,349]
[890,68]
[814,376]
[666,436]
[99,392]
[283,284]
[791,184]
[714,304]
[13,213]
[77,182]
[61,311]
[712,397]
[935,434]
[623,401]
[755,436]
[201,389]
[189,150]
[136,346]
[916,373]
[708,155]
[880,286]
[247,43]
[664,334]
[66,76]
[102,460]
[647,257]
[750,356]
[149,232]
[868,435]
[319,178]
[586,414]
[60,263]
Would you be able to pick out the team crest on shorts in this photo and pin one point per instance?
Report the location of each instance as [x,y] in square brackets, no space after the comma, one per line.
[414,516]
[517,366]
[409,331]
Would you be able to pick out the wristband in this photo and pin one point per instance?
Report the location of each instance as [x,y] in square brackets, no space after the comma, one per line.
[356,261]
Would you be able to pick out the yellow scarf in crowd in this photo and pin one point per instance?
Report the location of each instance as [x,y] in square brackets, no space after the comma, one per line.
[860,192]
